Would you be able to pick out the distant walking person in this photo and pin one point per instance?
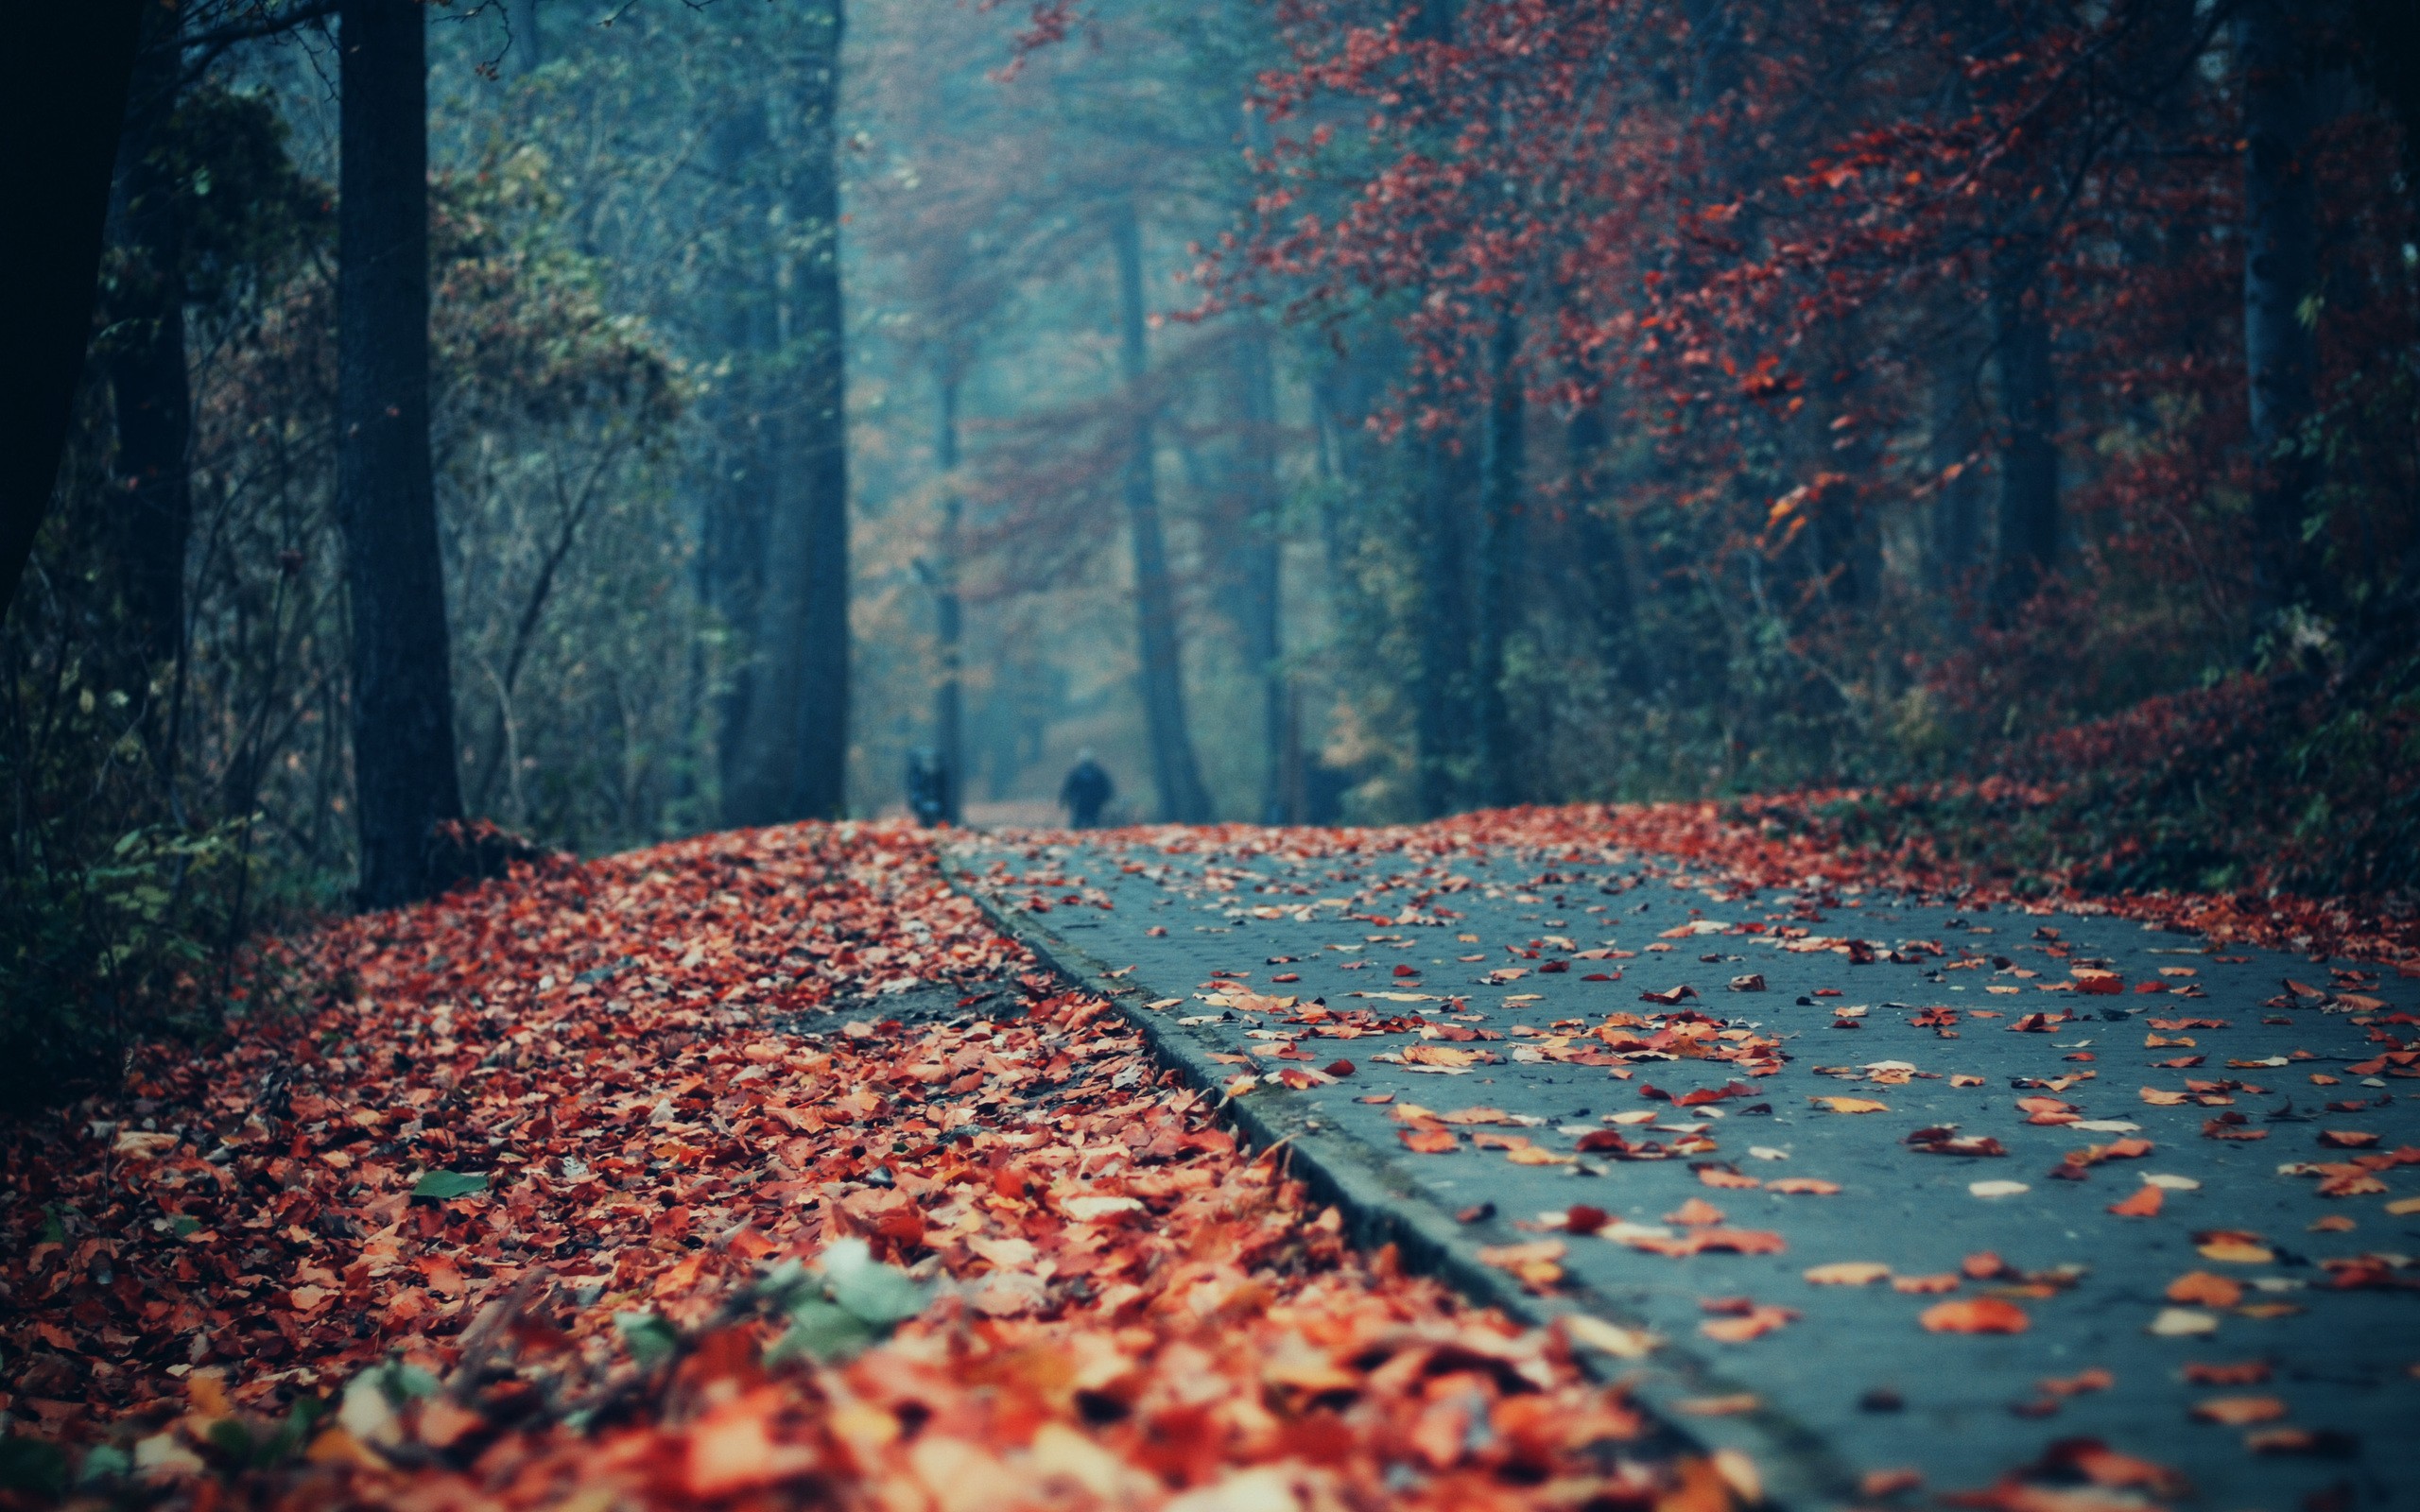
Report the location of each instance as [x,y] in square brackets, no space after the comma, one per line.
[1086,791]
[927,787]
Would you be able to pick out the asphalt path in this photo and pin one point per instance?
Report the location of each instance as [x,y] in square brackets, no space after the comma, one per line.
[1536,970]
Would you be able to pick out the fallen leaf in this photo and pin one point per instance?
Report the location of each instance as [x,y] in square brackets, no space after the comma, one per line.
[2200,1286]
[2236,1412]
[1847,1273]
[1975,1314]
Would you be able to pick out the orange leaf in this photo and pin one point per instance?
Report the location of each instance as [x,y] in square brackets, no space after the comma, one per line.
[2143,1204]
[1975,1314]
[2200,1286]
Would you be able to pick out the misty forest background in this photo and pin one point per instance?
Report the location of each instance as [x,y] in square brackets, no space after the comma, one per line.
[1992,421]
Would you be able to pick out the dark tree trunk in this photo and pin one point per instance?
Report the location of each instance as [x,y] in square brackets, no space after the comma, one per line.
[2029,511]
[402,704]
[1263,574]
[1957,512]
[1499,524]
[63,85]
[1603,560]
[949,719]
[145,350]
[740,502]
[1177,775]
[2282,111]
[818,439]
[792,761]
[528,52]
[1441,696]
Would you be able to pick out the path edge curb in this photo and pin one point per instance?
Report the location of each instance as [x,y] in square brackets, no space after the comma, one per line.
[1797,1471]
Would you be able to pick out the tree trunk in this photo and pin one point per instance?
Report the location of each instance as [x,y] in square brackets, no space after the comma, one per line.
[1440,697]
[144,351]
[402,704]
[84,53]
[738,508]
[792,761]
[949,699]
[819,440]
[1957,512]
[1177,777]
[2029,511]
[2281,114]
[1264,561]
[1498,545]
[528,52]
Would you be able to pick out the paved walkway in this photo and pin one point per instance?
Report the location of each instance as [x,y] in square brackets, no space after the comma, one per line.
[1532,1037]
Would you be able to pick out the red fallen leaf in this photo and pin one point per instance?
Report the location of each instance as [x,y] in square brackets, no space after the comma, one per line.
[1600,976]
[1982,1265]
[2033,1023]
[1924,1286]
[1935,1019]
[2088,1458]
[1339,1068]
[1287,976]
[1550,968]
[1944,1139]
[2097,983]
[1670,995]
[2226,1128]
[2180,1062]
[2238,1411]
[1402,970]
[2095,1379]
[1803,1186]
[2345,1139]
[2145,1203]
[2324,1443]
[1733,1241]
[1582,1219]
[2242,1373]
[1714,1094]
[2201,1288]
[1975,1314]
[1427,1140]
[1695,1213]
[1737,1320]
[1723,1177]
[1598,1140]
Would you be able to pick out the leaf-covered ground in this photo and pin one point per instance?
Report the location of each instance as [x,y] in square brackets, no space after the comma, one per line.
[750,1169]
[756,1169]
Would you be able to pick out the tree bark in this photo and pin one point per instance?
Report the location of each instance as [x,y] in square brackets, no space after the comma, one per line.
[403,705]
[144,349]
[738,506]
[1174,771]
[2029,506]
[792,761]
[819,442]
[1440,697]
[1500,530]
[949,718]
[1957,522]
[528,52]
[64,86]
[2281,115]
[1264,564]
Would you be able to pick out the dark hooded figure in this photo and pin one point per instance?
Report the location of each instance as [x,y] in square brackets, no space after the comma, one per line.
[927,787]
[1086,791]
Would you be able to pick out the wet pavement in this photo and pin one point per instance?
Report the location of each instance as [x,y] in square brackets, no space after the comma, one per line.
[1513,1008]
